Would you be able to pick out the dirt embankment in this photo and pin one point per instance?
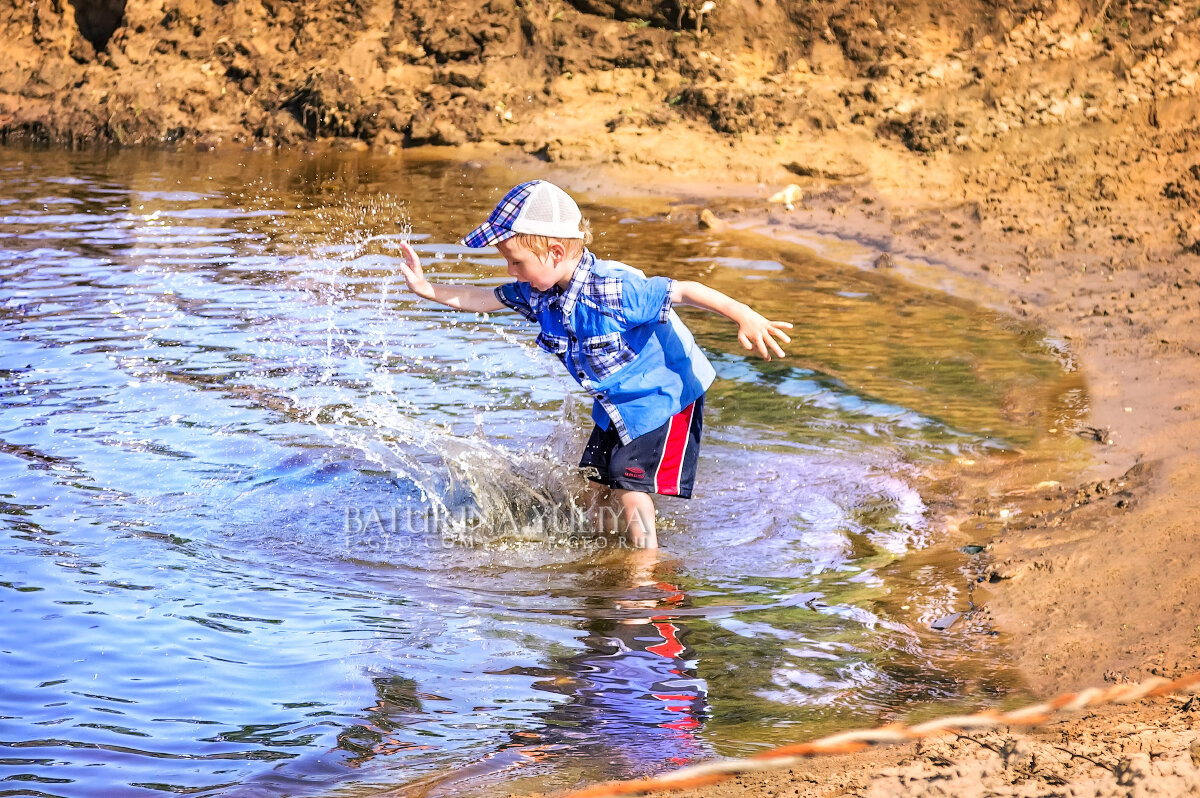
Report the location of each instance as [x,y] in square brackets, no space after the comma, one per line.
[1041,157]
[829,88]
[144,71]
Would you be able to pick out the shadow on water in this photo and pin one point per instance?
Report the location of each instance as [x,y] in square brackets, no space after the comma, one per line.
[270,525]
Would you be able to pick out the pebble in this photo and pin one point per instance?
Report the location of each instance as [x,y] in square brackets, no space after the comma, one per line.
[943,624]
[788,197]
[709,221]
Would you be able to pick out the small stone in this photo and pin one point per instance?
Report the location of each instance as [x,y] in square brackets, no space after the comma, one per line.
[709,221]
[942,624]
[788,197]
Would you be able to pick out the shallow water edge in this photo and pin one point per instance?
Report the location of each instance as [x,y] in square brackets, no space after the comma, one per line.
[220,370]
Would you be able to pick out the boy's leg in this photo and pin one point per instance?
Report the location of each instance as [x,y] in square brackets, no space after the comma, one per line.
[637,510]
[662,461]
[623,511]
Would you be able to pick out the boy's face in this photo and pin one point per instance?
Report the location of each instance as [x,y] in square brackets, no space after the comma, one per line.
[541,272]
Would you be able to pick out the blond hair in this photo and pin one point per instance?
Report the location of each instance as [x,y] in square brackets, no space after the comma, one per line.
[540,245]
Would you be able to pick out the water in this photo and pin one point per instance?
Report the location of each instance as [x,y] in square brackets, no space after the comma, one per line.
[270,526]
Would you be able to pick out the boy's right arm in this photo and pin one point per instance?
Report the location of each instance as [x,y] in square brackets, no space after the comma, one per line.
[475,298]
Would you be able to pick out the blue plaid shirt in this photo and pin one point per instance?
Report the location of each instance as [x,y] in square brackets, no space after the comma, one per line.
[614,330]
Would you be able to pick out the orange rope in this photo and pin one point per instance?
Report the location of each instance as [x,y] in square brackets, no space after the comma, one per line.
[853,741]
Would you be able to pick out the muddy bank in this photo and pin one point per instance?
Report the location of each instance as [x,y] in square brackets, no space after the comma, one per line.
[557,78]
[1107,753]
[449,72]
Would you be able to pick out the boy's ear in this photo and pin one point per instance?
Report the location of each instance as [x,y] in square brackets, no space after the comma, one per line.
[558,251]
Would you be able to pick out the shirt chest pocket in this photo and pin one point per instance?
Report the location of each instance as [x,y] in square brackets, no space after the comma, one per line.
[607,353]
[554,344]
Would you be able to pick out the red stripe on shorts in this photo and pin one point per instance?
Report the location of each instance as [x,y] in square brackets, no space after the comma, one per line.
[670,648]
[666,478]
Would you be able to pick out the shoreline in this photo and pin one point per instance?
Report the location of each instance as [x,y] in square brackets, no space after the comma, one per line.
[1089,581]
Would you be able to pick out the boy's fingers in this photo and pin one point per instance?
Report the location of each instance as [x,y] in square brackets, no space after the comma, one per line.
[410,254]
[787,339]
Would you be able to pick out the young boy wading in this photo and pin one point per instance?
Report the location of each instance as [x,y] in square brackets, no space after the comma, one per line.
[614,330]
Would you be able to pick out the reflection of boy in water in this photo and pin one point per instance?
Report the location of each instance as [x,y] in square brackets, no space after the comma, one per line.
[634,699]
[634,693]
[615,331]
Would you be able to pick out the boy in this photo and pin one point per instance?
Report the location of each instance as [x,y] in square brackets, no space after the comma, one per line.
[614,330]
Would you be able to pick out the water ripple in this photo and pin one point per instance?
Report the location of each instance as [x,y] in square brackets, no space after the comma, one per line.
[269,523]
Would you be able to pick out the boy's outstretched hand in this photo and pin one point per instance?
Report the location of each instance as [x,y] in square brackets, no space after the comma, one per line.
[758,333]
[755,331]
[411,271]
[477,298]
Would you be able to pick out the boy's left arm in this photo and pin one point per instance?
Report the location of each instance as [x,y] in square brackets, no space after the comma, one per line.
[755,331]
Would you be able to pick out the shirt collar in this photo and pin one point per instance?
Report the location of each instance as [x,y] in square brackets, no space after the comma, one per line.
[565,297]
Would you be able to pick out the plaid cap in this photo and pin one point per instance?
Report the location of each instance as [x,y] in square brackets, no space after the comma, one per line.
[536,208]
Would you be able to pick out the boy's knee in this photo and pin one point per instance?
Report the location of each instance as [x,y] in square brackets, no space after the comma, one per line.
[635,503]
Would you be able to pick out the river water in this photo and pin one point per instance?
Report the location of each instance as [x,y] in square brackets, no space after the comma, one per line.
[270,526]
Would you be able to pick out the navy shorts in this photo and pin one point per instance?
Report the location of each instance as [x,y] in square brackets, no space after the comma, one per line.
[662,461]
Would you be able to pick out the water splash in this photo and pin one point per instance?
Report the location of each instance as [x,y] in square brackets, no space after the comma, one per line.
[470,490]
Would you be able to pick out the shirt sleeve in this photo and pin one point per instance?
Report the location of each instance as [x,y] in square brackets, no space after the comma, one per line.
[646,299]
[516,296]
